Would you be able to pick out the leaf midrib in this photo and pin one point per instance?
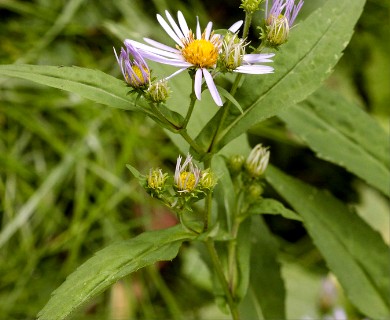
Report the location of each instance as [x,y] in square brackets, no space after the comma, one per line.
[263,96]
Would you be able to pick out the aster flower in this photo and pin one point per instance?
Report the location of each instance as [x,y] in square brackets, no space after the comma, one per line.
[199,51]
[133,66]
[187,175]
[279,20]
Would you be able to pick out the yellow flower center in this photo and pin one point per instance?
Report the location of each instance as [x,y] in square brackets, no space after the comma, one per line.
[201,52]
[133,81]
[187,181]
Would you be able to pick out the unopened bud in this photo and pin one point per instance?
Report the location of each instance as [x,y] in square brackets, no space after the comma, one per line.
[133,66]
[250,6]
[257,161]
[156,181]
[233,51]
[208,180]
[235,163]
[277,30]
[255,190]
[158,91]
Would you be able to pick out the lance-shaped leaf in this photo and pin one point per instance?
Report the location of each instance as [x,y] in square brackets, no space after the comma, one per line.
[111,264]
[301,65]
[91,84]
[340,132]
[354,252]
[266,283]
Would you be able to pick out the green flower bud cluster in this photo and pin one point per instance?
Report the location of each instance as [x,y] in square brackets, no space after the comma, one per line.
[248,173]
[188,185]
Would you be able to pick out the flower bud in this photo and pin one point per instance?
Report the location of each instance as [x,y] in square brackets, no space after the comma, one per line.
[208,180]
[134,68]
[156,181]
[257,161]
[158,91]
[250,6]
[278,21]
[277,30]
[254,191]
[235,164]
[187,175]
[233,51]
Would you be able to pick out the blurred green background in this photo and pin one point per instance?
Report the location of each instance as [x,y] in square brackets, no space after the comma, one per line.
[66,193]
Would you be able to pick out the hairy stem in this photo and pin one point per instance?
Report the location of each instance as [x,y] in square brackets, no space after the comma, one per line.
[222,279]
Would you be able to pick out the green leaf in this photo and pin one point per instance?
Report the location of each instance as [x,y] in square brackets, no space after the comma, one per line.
[111,264]
[266,281]
[224,193]
[91,84]
[354,252]
[301,65]
[140,177]
[271,206]
[228,96]
[340,132]
[243,259]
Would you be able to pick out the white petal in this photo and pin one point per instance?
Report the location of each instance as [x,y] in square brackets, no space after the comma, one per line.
[161,46]
[117,59]
[234,28]
[198,84]
[208,30]
[163,60]
[258,57]
[198,32]
[146,48]
[169,30]
[175,73]
[212,88]
[183,24]
[174,25]
[254,69]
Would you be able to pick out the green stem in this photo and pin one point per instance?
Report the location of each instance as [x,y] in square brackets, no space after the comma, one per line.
[191,106]
[208,201]
[161,117]
[232,255]
[222,279]
[225,112]
[247,24]
[191,141]
[166,293]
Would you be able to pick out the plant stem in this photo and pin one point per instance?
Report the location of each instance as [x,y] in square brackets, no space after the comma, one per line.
[232,256]
[165,292]
[214,142]
[225,113]
[161,117]
[208,201]
[191,106]
[247,23]
[222,279]
[191,141]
